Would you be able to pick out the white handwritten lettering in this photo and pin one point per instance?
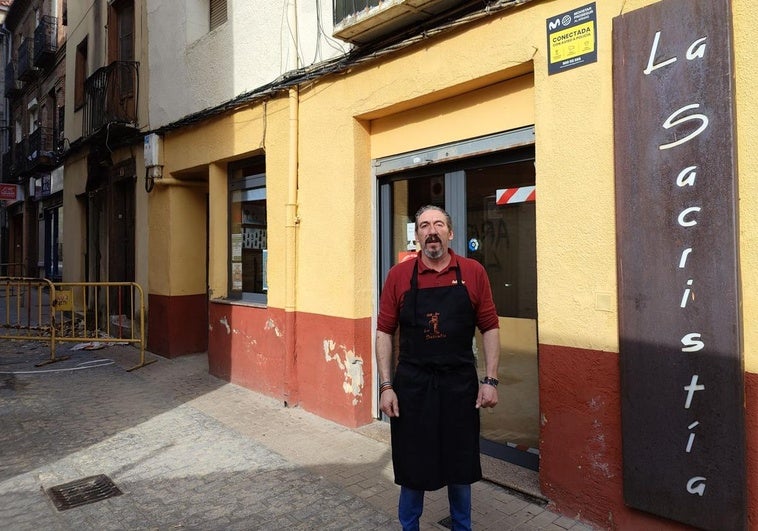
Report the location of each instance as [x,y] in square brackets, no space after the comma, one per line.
[691,390]
[686,295]
[686,177]
[696,485]
[691,439]
[681,219]
[692,343]
[696,49]
[683,259]
[653,50]
[671,121]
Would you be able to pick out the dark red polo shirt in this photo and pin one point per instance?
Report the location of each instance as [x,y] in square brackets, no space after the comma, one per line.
[473,275]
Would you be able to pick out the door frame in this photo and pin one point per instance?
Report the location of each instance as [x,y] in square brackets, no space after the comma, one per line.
[452,159]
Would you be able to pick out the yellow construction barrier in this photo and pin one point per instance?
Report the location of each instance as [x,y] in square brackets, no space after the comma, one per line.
[25,311]
[105,312]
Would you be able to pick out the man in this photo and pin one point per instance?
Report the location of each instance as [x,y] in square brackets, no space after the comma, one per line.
[433,397]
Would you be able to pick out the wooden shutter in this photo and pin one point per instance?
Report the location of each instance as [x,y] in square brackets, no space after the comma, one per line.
[218,13]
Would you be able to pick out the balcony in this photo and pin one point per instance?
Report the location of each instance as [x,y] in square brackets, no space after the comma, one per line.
[26,70]
[12,85]
[45,41]
[110,97]
[40,155]
[364,21]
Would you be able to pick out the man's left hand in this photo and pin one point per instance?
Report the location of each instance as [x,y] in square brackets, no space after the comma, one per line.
[487,396]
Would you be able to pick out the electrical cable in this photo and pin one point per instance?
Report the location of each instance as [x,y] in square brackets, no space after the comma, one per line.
[445,22]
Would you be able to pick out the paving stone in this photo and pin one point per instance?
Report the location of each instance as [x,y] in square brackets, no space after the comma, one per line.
[191,451]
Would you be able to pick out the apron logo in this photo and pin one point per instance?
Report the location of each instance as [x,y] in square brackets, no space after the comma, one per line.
[433,332]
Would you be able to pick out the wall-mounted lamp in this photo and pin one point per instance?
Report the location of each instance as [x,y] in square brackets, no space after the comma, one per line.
[153,160]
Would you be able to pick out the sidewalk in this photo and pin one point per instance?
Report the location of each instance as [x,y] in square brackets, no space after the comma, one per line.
[189,451]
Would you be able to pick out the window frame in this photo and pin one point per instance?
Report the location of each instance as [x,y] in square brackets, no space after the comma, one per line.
[246,175]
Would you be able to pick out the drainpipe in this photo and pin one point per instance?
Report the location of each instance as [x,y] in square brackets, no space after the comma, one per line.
[291,387]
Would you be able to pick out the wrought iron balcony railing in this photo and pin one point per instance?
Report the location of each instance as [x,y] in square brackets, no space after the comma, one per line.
[45,41]
[26,70]
[40,154]
[111,97]
[12,85]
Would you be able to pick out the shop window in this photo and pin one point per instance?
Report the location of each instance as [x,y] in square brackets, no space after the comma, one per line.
[248,252]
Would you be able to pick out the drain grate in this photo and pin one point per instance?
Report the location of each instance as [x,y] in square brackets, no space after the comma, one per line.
[446,522]
[83,491]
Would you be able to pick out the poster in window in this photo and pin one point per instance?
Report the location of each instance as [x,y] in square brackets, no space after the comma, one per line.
[265,269]
[236,247]
[237,276]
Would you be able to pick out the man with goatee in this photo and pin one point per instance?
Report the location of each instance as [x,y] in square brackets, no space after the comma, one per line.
[433,394]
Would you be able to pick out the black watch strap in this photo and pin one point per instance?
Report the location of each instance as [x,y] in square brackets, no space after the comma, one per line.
[490,381]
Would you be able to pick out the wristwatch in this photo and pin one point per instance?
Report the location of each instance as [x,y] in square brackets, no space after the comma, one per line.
[490,381]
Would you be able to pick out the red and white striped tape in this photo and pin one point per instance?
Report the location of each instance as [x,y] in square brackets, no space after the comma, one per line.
[509,196]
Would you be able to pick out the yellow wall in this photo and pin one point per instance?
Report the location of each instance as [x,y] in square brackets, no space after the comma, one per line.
[745,27]
[74,219]
[498,107]
[467,82]
[200,155]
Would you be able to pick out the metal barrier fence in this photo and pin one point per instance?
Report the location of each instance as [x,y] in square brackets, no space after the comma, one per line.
[25,311]
[105,312]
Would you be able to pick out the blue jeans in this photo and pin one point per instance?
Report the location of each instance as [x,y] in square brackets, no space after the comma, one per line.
[411,506]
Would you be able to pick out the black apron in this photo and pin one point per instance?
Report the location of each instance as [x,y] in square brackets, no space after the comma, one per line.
[435,440]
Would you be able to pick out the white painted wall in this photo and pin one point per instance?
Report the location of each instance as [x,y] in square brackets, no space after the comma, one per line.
[192,69]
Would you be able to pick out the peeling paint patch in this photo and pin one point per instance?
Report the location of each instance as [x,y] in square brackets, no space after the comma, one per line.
[224,322]
[350,364]
[598,455]
[271,325]
[251,340]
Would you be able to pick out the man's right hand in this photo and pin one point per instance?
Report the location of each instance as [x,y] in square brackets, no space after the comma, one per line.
[388,403]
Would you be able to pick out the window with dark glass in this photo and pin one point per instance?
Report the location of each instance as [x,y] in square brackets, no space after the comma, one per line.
[248,250]
[121,44]
[81,73]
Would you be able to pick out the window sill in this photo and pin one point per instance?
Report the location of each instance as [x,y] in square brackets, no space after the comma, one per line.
[239,302]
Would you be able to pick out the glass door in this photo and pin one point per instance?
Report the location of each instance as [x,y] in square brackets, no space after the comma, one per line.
[501,235]
[491,197]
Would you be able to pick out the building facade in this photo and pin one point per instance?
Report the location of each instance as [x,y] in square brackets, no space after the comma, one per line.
[33,160]
[219,54]
[257,166]
[106,94]
[281,210]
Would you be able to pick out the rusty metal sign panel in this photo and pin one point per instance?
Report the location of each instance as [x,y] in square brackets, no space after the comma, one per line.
[679,320]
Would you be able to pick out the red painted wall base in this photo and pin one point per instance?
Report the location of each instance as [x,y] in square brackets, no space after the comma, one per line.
[177,325]
[329,373]
[580,440]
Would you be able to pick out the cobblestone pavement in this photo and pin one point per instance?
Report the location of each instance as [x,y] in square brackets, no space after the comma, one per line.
[189,451]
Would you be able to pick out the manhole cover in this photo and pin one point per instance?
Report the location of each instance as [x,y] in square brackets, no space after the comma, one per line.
[82,492]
